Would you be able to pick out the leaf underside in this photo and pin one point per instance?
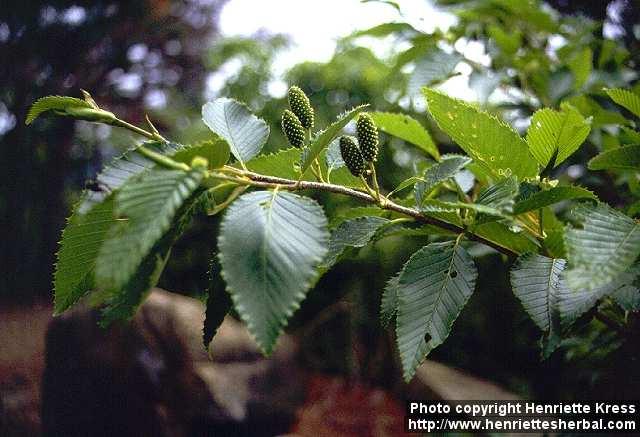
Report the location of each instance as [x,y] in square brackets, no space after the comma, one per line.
[244,132]
[603,246]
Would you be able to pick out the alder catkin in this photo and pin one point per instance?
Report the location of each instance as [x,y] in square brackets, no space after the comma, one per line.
[301,107]
[351,155]
[367,133]
[292,128]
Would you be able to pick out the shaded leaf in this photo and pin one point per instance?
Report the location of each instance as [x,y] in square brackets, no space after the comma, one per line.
[76,259]
[270,244]
[536,282]
[434,286]
[621,158]
[438,173]
[549,197]
[146,208]
[389,302]
[356,232]
[601,247]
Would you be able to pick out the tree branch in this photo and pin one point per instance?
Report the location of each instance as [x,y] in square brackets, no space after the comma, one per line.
[263,181]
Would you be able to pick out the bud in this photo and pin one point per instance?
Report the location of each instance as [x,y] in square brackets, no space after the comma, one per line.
[367,137]
[200,162]
[292,128]
[351,155]
[300,105]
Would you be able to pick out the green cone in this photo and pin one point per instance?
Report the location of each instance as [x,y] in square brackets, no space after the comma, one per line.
[351,155]
[367,137]
[292,128]
[300,105]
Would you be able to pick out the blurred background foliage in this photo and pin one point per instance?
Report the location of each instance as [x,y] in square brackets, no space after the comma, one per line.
[166,58]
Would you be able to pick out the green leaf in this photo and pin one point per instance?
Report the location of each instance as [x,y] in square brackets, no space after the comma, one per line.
[215,151]
[386,29]
[281,164]
[509,42]
[357,211]
[500,196]
[559,132]
[356,232]
[438,173]
[629,136]
[333,157]
[625,98]
[59,104]
[549,197]
[622,158]
[270,244]
[500,234]
[76,259]
[244,132]
[122,169]
[603,246]
[323,138]
[437,205]
[573,303]
[536,282]
[434,286]
[123,303]
[389,302]
[218,304]
[581,65]
[491,143]
[628,297]
[146,208]
[406,128]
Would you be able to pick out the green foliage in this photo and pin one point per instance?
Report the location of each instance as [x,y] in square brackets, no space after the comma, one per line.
[536,282]
[145,208]
[627,99]
[76,259]
[406,128]
[622,158]
[59,104]
[432,289]
[270,244]
[601,247]
[274,245]
[580,65]
[357,232]
[491,143]
[556,134]
[551,196]
[244,132]
[216,152]
[439,173]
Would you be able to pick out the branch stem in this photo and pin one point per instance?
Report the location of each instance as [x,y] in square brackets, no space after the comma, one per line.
[262,181]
